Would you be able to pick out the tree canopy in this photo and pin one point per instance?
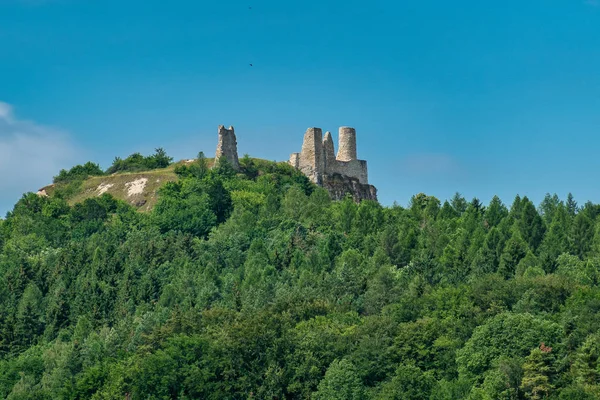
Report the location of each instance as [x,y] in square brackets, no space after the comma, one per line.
[253,284]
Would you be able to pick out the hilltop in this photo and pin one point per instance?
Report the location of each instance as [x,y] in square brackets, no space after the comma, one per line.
[139,189]
[137,180]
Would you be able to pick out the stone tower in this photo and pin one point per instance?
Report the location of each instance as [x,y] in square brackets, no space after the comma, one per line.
[311,160]
[329,166]
[339,175]
[347,143]
[227,146]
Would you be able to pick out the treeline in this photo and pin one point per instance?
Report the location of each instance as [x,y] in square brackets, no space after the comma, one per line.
[134,163]
[254,285]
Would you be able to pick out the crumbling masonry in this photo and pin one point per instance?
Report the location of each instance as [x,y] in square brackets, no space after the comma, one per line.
[227,146]
[341,175]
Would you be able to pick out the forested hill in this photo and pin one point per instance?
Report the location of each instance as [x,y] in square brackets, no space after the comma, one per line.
[254,285]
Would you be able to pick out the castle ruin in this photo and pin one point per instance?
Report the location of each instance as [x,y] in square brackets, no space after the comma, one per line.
[340,174]
[227,146]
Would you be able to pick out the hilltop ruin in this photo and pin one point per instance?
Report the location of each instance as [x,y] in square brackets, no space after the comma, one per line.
[340,175]
[227,146]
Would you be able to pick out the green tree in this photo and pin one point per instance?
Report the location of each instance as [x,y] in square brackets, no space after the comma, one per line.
[548,208]
[341,382]
[495,212]
[514,251]
[506,334]
[537,369]
[581,235]
[29,322]
[571,205]
[409,383]
[459,203]
[530,224]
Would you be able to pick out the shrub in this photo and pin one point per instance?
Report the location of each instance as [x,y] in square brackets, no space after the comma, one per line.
[137,162]
[78,172]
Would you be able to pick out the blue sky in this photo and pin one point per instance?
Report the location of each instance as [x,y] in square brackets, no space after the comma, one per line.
[478,97]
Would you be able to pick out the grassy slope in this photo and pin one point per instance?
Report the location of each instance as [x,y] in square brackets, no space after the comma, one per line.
[144,201]
[120,186]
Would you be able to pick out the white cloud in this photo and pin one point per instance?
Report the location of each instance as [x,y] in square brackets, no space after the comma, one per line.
[30,155]
[5,111]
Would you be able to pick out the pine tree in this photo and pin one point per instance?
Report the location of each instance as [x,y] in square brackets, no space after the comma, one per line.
[495,212]
[514,250]
[459,203]
[571,205]
[487,259]
[555,241]
[28,322]
[530,224]
[548,208]
[581,235]
[515,208]
[536,374]
[585,367]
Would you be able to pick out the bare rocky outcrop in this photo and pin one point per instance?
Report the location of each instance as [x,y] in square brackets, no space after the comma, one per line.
[339,175]
[227,146]
[339,186]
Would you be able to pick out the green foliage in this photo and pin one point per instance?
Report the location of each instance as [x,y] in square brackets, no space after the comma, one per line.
[341,382]
[78,173]
[409,383]
[137,162]
[536,374]
[253,284]
[68,183]
[496,338]
[198,168]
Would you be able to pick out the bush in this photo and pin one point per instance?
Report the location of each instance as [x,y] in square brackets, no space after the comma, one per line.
[137,162]
[78,172]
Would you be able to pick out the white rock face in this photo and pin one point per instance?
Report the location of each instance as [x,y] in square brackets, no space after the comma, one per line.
[103,188]
[136,187]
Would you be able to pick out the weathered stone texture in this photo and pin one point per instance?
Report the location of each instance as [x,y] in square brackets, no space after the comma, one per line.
[339,186]
[347,142]
[311,157]
[318,163]
[341,175]
[227,146]
[355,169]
[295,160]
[329,155]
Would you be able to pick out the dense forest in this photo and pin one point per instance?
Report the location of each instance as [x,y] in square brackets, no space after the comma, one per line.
[252,284]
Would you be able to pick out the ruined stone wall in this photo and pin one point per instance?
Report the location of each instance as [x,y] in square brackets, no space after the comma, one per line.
[311,159]
[339,175]
[346,163]
[227,146]
[353,169]
[295,160]
[329,162]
